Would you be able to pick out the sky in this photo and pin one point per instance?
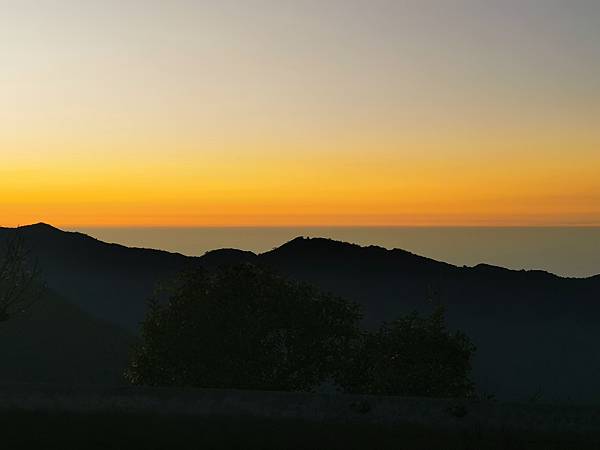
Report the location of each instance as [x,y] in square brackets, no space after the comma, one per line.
[288,113]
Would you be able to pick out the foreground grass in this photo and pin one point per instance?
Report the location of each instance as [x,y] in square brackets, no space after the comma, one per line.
[42,431]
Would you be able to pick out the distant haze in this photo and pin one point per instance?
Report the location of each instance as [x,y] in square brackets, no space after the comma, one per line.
[563,251]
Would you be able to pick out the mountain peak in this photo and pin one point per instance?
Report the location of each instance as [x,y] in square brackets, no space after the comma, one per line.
[36,228]
[41,226]
[318,245]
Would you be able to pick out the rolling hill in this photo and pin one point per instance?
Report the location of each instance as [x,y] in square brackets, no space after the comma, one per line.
[108,281]
[536,332]
[55,342]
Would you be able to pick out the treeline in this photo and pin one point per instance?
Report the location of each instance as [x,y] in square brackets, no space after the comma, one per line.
[245,327]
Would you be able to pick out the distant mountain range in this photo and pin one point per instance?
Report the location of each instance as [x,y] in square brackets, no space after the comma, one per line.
[536,333]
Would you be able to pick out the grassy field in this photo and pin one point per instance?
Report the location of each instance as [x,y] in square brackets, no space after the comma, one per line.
[39,431]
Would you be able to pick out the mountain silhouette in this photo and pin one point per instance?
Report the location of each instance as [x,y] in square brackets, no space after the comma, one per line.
[108,281]
[536,332]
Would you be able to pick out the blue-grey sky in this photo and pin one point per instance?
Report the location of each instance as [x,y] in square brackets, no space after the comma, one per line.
[300,112]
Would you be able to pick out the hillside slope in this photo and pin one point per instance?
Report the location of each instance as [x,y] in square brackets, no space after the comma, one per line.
[55,342]
[536,333]
[108,281]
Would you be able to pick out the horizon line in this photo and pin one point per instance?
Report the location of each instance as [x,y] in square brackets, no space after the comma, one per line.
[311,226]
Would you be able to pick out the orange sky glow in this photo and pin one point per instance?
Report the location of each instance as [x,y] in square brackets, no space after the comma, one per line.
[274,114]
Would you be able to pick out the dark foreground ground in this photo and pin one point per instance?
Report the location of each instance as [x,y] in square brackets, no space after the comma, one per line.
[44,417]
[126,431]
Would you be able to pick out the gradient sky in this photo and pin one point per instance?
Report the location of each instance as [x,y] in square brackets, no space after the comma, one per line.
[276,112]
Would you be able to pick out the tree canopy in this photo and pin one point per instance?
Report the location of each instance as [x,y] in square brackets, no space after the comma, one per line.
[243,327]
[19,279]
[411,356]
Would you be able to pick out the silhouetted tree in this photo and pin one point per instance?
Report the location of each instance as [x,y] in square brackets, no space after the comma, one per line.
[411,356]
[19,279]
[242,327]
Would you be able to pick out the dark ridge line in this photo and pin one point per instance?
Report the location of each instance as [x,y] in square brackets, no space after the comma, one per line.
[303,242]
